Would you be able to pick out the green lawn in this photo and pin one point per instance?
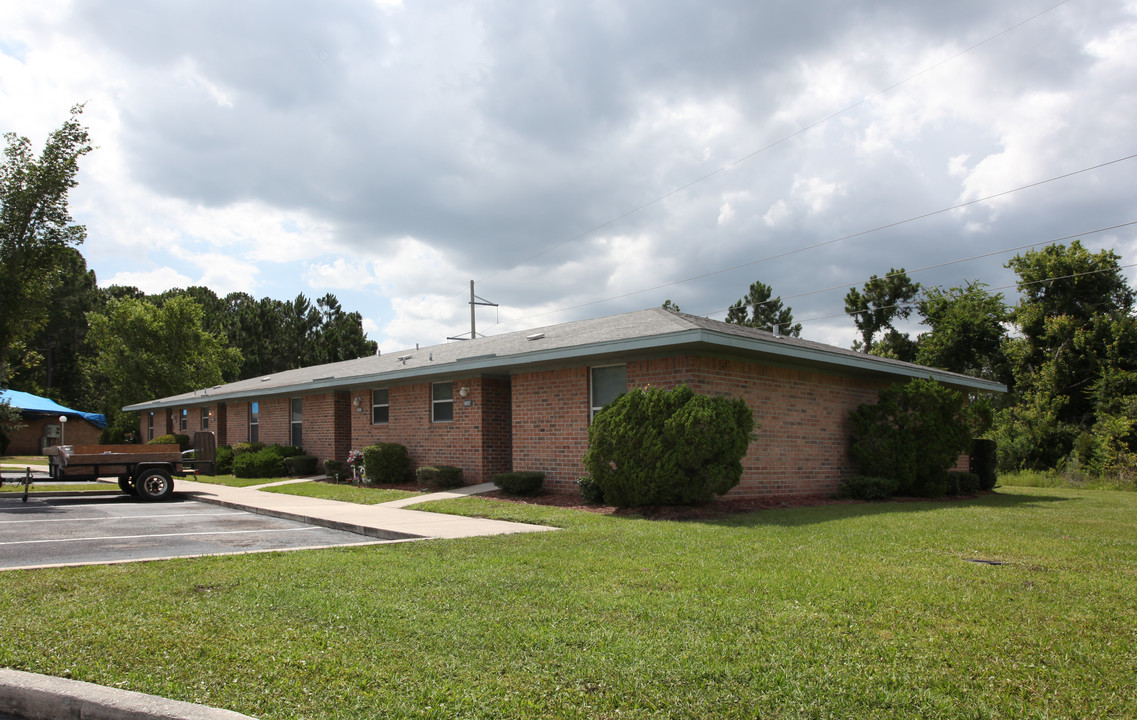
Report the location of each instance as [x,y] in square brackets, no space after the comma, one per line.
[59,487]
[854,610]
[232,480]
[345,493]
[22,461]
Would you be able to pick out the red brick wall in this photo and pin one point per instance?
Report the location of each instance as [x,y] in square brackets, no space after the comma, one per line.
[550,424]
[77,431]
[476,440]
[326,425]
[276,421]
[800,448]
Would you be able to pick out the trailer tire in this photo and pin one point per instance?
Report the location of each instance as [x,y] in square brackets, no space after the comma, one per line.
[126,484]
[154,484]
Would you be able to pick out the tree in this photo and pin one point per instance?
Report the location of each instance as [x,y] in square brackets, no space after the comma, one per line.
[341,335]
[883,301]
[49,362]
[967,330]
[35,225]
[143,351]
[10,422]
[668,305]
[757,310]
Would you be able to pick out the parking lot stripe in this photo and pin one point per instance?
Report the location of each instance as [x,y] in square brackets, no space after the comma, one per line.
[160,535]
[116,517]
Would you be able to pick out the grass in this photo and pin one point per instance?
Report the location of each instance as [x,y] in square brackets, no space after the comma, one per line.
[344,493]
[855,610]
[233,481]
[22,461]
[1069,479]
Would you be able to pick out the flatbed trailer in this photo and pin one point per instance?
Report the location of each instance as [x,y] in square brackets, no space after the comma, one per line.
[147,471]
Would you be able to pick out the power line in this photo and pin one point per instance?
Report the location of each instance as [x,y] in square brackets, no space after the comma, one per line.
[775,143]
[932,267]
[826,243]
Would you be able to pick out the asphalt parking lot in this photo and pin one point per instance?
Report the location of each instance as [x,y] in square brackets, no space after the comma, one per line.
[46,532]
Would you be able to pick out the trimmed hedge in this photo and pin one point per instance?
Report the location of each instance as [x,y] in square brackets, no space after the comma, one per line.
[442,477]
[913,434]
[521,482]
[300,465]
[245,447]
[224,460]
[590,492]
[386,463]
[654,446]
[963,483]
[179,439]
[265,463]
[862,487]
[337,470]
[985,462]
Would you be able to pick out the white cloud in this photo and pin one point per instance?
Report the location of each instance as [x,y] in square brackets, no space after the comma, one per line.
[151,282]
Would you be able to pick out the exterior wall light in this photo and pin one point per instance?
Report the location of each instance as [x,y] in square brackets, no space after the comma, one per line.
[464,391]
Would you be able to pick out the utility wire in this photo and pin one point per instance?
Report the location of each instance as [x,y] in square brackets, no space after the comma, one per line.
[775,143]
[928,267]
[826,243]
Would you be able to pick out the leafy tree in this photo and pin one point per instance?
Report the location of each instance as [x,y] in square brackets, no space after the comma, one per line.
[35,225]
[757,310]
[341,335]
[143,351]
[49,362]
[10,422]
[654,446]
[883,301]
[668,305]
[967,330]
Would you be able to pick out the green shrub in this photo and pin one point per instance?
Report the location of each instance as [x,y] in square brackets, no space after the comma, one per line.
[984,462]
[301,465]
[224,460]
[244,447]
[386,463]
[912,434]
[337,470]
[179,439]
[264,463]
[521,482]
[590,492]
[442,477]
[962,483]
[654,446]
[863,487]
[287,451]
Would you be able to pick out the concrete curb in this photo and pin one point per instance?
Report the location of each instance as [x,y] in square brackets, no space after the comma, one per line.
[39,697]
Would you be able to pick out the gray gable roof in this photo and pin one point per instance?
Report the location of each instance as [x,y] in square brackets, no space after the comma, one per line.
[594,341]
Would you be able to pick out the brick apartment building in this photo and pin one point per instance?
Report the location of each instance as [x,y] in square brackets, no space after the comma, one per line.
[524,400]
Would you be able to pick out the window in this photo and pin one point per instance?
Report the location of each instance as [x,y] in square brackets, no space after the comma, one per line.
[380,407]
[150,427]
[254,421]
[442,402]
[205,418]
[608,383]
[297,415]
[185,420]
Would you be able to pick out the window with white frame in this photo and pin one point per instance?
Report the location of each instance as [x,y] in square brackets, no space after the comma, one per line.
[380,407]
[297,422]
[254,421]
[205,418]
[442,402]
[185,420]
[608,383]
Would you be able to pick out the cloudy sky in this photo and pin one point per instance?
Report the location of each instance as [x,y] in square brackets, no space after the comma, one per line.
[576,158]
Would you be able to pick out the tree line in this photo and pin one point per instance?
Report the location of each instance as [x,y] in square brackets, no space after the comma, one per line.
[97,349]
[1066,350]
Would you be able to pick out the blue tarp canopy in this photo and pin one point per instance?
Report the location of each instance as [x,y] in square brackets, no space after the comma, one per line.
[36,406]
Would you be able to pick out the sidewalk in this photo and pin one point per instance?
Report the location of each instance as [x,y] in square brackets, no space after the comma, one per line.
[388,521]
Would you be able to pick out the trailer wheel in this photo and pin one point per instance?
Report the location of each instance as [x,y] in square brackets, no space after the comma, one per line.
[126,484]
[154,484]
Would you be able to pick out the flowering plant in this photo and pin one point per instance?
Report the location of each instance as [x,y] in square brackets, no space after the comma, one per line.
[355,458]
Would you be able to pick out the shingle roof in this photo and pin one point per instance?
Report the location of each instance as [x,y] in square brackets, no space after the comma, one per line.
[651,330]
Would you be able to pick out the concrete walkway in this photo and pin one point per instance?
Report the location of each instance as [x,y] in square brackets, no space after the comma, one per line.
[387,520]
